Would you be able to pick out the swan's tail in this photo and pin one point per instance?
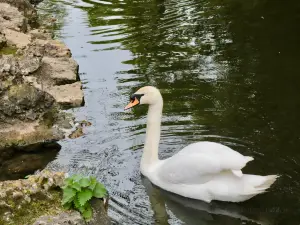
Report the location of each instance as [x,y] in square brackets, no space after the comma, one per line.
[260,184]
[269,180]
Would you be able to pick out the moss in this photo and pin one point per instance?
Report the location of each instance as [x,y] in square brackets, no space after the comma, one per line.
[29,212]
[50,117]
[19,91]
[8,51]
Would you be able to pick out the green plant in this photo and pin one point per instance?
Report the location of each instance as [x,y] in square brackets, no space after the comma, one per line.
[79,190]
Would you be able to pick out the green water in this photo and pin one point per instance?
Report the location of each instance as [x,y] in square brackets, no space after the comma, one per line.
[228,71]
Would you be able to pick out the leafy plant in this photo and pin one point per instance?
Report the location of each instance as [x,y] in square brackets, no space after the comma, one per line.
[79,190]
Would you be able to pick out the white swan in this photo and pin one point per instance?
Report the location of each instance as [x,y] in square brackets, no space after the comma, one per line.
[204,170]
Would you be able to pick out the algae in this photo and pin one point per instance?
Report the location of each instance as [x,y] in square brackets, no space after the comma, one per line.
[8,50]
[28,213]
[25,200]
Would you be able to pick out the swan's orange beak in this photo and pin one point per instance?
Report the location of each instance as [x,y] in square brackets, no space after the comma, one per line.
[132,103]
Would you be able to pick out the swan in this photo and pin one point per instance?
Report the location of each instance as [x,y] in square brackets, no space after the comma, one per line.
[204,170]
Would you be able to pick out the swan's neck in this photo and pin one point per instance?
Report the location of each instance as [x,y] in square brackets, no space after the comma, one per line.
[150,154]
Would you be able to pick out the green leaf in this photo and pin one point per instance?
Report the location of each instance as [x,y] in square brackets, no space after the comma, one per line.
[76,186]
[68,195]
[99,191]
[84,182]
[84,196]
[76,177]
[81,209]
[67,205]
[93,183]
[87,213]
[76,203]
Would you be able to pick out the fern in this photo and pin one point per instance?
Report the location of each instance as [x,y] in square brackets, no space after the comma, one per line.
[78,191]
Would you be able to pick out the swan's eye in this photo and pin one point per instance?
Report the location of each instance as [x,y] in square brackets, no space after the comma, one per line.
[135,96]
[132,98]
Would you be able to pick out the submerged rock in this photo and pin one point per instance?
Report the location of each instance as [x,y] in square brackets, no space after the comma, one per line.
[32,158]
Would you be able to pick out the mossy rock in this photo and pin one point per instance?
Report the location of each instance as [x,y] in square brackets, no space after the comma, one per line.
[37,200]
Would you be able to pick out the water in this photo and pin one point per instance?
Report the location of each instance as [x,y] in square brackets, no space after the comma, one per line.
[228,71]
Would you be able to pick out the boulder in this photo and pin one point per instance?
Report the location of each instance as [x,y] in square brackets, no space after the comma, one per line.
[40,34]
[18,66]
[24,103]
[15,38]
[60,70]
[28,64]
[68,95]
[8,68]
[24,7]
[12,18]
[38,78]
[37,200]
[51,48]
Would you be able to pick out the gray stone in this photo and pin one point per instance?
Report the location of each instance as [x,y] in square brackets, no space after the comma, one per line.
[16,197]
[15,38]
[61,70]
[74,218]
[24,7]
[40,34]
[25,103]
[30,93]
[2,40]
[11,18]
[29,64]
[69,95]
[70,217]
[8,66]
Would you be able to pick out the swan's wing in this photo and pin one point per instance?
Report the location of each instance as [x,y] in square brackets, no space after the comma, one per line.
[198,168]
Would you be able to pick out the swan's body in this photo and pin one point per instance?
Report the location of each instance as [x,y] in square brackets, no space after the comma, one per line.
[204,170]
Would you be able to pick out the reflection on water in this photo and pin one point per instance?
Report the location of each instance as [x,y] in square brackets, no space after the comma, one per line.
[228,71]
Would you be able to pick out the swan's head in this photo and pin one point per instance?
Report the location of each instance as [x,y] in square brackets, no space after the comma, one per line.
[147,95]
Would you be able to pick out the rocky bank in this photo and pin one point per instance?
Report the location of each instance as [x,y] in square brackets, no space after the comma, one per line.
[38,78]
[37,201]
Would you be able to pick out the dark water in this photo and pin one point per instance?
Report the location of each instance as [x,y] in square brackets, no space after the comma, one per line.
[229,72]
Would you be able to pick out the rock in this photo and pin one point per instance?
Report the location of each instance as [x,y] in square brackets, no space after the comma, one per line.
[38,78]
[35,2]
[25,103]
[69,95]
[8,67]
[15,38]
[23,164]
[18,66]
[78,132]
[60,70]
[40,34]
[28,64]
[37,200]
[51,48]
[38,197]
[70,217]
[2,41]
[11,18]
[74,218]
[24,7]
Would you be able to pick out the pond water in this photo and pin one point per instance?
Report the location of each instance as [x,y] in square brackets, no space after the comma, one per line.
[228,71]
